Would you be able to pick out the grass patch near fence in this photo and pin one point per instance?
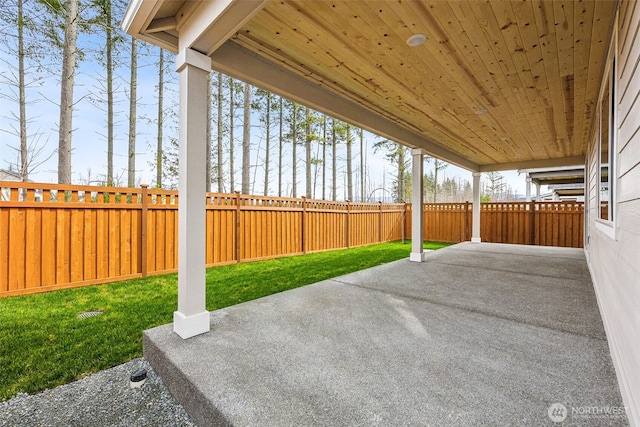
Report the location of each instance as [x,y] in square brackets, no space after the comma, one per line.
[43,343]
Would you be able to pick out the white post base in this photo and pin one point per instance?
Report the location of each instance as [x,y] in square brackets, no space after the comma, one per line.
[416,256]
[190,326]
[475,240]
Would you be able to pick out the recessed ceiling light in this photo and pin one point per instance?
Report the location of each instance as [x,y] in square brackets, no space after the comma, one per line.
[416,40]
[505,138]
[481,111]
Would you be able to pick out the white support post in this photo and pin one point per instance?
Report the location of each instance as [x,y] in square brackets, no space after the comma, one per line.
[192,318]
[417,211]
[475,227]
[537,192]
[528,189]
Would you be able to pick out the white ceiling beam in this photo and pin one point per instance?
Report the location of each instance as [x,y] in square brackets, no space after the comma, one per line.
[162,24]
[556,174]
[212,22]
[239,62]
[138,15]
[161,39]
[533,164]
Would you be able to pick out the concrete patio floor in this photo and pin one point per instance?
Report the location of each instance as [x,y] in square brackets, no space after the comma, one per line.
[479,334]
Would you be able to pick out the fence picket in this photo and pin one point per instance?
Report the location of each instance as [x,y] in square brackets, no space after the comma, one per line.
[54,237]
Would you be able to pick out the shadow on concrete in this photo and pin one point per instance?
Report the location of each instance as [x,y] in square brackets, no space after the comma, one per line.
[479,334]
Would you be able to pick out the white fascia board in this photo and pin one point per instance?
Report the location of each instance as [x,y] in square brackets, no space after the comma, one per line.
[238,62]
[531,164]
[560,173]
[557,168]
[213,22]
[139,13]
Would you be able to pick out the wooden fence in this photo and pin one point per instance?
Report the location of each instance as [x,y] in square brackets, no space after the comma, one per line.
[525,223]
[54,237]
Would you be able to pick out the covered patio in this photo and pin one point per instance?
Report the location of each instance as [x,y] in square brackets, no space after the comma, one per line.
[479,334]
[486,86]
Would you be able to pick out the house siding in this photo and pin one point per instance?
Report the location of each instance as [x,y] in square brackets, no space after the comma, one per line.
[615,262]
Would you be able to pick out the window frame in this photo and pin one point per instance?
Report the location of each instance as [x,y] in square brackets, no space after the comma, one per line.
[608,225]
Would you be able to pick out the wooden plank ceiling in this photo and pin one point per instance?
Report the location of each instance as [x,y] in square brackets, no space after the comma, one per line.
[532,67]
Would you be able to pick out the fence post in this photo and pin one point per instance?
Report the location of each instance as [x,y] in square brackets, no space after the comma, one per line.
[532,223]
[346,228]
[143,229]
[404,223]
[380,221]
[304,225]
[237,236]
[466,221]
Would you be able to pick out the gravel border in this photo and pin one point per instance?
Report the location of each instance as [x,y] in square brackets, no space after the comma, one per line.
[101,399]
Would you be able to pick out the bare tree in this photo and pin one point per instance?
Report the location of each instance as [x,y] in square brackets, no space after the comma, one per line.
[324,157]
[133,102]
[307,144]
[397,155]
[264,104]
[246,140]
[338,133]
[106,20]
[232,108]
[220,134]
[208,133]
[294,154]
[69,53]
[160,120]
[280,143]
[362,165]
[349,164]
[437,166]
[496,185]
[267,149]
[23,98]
[25,45]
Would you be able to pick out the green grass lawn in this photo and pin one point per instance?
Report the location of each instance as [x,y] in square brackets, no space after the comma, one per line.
[43,343]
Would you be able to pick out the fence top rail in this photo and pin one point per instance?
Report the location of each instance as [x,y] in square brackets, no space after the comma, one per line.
[528,206]
[33,192]
[65,187]
[161,192]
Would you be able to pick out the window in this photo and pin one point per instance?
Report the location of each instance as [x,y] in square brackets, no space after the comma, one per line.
[606,145]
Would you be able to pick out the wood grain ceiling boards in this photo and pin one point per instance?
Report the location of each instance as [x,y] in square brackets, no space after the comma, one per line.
[535,66]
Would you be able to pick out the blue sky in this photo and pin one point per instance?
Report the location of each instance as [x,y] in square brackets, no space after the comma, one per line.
[89,140]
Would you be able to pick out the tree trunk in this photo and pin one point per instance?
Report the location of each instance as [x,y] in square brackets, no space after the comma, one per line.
[349,165]
[362,166]
[220,132]
[401,170]
[160,120]
[246,140]
[66,92]
[208,134]
[24,149]
[334,162]
[307,149]
[280,145]
[435,180]
[133,102]
[109,52]
[268,145]
[324,158]
[231,142]
[294,163]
